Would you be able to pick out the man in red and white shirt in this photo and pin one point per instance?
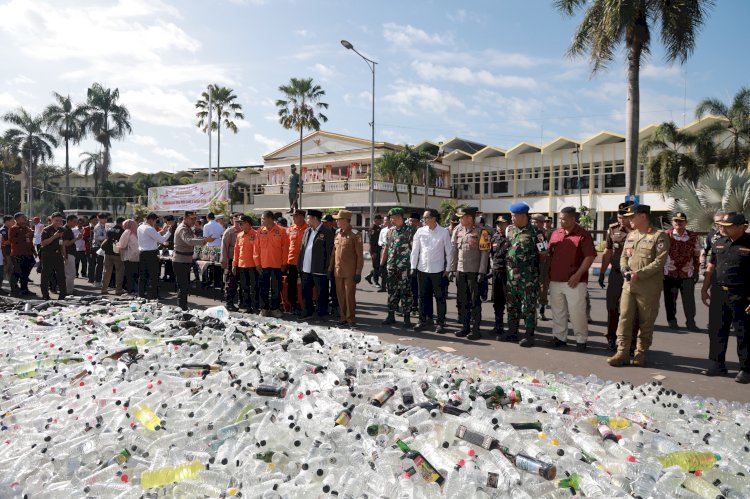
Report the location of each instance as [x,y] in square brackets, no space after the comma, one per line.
[681,271]
[572,252]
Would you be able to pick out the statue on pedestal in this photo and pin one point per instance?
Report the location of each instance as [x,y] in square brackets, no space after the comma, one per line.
[295,186]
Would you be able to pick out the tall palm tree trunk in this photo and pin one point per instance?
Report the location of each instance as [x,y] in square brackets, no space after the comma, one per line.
[632,118]
[218,151]
[299,189]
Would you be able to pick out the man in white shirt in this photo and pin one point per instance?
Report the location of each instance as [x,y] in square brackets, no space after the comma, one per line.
[214,229]
[430,257]
[80,251]
[148,265]
[38,227]
[382,238]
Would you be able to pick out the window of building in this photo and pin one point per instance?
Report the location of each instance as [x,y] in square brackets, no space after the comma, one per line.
[500,187]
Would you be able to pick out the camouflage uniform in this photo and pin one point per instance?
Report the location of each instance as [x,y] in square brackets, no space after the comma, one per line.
[471,259]
[525,246]
[543,272]
[499,254]
[398,264]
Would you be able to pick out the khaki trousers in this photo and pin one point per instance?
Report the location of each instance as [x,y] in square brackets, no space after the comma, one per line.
[345,289]
[568,303]
[70,272]
[110,262]
[645,303]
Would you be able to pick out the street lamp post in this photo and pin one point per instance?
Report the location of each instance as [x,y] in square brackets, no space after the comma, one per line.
[580,179]
[210,128]
[370,64]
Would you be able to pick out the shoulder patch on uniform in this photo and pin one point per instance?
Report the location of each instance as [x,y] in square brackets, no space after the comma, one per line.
[660,245]
[484,241]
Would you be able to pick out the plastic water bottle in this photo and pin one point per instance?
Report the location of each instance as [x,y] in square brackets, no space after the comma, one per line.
[163,476]
[690,460]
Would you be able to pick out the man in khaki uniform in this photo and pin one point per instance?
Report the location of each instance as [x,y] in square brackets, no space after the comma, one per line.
[540,222]
[470,257]
[642,263]
[346,265]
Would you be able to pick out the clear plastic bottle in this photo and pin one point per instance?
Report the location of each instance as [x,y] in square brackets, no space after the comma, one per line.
[159,477]
[690,460]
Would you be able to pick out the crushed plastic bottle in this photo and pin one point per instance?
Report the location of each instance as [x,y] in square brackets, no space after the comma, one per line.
[111,399]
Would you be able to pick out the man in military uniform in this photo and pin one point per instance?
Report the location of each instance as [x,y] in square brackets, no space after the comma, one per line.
[346,265]
[616,234]
[540,221]
[471,254]
[499,254]
[375,249]
[396,258]
[728,277]
[527,247]
[642,264]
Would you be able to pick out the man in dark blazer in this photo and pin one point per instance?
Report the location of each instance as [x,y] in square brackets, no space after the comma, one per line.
[314,258]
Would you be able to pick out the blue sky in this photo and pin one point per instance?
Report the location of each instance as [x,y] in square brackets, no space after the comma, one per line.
[492,71]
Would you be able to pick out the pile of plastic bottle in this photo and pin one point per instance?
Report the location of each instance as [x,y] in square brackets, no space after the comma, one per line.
[136,399]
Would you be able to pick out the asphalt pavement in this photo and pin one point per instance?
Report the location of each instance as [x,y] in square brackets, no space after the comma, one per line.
[676,356]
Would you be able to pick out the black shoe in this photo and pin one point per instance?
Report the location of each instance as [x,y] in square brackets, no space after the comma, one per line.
[440,328]
[475,335]
[581,347]
[612,345]
[673,324]
[391,319]
[693,327]
[462,333]
[46,297]
[508,338]
[559,343]
[232,308]
[382,290]
[368,279]
[421,326]
[541,313]
[407,321]
[716,369]
[527,342]
[743,377]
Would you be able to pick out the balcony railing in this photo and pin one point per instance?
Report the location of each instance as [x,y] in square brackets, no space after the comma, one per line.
[357,185]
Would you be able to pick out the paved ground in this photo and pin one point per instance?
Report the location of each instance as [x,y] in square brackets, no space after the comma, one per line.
[676,358]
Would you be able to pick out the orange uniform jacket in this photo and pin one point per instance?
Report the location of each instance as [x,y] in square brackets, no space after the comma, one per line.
[295,242]
[244,249]
[271,247]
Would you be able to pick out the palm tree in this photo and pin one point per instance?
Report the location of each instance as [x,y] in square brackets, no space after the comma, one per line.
[9,163]
[448,208]
[414,162]
[66,121]
[30,140]
[106,120]
[46,174]
[118,194]
[718,190]
[92,163]
[388,166]
[738,126]
[300,110]
[673,160]
[224,110]
[609,23]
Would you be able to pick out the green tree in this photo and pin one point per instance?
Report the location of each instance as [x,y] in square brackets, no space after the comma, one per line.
[118,194]
[673,159]
[10,164]
[300,109]
[725,190]
[448,208]
[28,138]
[107,120]
[65,120]
[414,164]
[607,24]
[224,110]
[92,163]
[388,166]
[737,125]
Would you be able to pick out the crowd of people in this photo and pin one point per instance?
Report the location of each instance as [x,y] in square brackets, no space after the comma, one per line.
[311,269]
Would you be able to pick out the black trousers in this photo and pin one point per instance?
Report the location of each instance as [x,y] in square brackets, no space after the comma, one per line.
[499,280]
[182,278]
[431,285]
[270,289]
[91,267]
[20,270]
[53,265]
[332,293]
[230,284]
[727,309]
[684,287]
[148,269]
[320,283]
[248,278]
[415,304]
[469,301]
[131,276]
[81,263]
[375,266]
[292,278]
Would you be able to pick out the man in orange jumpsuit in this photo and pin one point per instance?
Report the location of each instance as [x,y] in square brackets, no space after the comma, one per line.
[296,231]
[271,255]
[243,265]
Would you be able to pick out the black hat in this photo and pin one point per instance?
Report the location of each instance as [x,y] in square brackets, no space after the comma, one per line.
[328,218]
[315,213]
[415,215]
[622,208]
[469,210]
[502,219]
[246,219]
[679,216]
[636,209]
[300,212]
[733,218]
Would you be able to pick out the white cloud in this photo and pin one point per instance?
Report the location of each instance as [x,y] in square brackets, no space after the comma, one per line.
[7,101]
[670,72]
[324,72]
[19,80]
[462,16]
[407,35]
[361,99]
[130,162]
[169,108]
[142,140]
[427,99]
[302,32]
[168,153]
[269,143]
[463,74]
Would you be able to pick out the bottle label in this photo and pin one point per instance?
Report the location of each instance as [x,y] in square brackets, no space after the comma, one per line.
[606,432]
[476,438]
[527,426]
[425,469]
[381,398]
[407,397]
[527,463]
[493,479]
[343,419]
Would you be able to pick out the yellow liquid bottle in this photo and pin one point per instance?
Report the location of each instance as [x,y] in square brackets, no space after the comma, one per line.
[171,474]
[147,417]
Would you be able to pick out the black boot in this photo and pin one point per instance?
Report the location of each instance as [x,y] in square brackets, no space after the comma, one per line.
[541,313]
[512,334]
[407,321]
[391,319]
[475,335]
[498,330]
[528,339]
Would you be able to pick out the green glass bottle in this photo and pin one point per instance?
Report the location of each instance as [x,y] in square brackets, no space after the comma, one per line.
[345,416]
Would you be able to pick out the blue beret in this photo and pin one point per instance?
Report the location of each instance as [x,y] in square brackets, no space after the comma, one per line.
[519,209]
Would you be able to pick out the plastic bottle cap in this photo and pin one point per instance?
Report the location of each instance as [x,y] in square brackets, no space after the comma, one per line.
[124,478]
[472,453]
[631,459]
[697,472]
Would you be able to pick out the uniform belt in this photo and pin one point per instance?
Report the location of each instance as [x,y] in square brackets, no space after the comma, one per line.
[731,288]
[184,253]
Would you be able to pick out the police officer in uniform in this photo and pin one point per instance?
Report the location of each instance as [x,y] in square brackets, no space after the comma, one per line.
[471,253]
[527,247]
[642,264]
[728,277]
[540,220]
[616,234]
[499,254]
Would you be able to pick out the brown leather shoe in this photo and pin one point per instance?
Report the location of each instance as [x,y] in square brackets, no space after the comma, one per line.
[639,359]
[621,358]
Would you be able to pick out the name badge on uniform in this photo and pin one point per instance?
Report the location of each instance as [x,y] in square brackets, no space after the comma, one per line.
[628,252]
